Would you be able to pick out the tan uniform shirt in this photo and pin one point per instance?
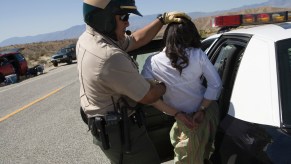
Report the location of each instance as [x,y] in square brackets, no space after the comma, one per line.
[106,71]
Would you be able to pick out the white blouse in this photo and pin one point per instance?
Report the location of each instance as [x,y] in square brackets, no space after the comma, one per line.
[184,92]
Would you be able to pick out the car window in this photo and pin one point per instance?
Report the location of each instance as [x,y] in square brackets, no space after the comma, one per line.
[284,69]
[141,58]
[207,43]
[3,61]
[19,57]
[62,51]
[226,60]
[224,55]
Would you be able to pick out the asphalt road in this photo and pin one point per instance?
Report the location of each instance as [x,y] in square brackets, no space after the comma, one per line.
[40,121]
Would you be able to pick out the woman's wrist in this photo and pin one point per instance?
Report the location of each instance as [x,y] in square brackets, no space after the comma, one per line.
[202,109]
[177,113]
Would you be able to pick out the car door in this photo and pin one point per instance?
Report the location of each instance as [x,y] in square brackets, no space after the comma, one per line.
[6,68]
[21,64]
[73,49]
[226,55]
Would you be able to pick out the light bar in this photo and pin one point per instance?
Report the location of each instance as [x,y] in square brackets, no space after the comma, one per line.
[248,18]
[251,19]
[263,18]
[232,20]
[279,17]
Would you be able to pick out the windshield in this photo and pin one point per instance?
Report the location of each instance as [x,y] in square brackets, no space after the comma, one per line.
[63,50]
[19,57]
[283,49]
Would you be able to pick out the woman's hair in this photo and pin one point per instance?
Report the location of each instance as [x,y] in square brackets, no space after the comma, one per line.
[178,37]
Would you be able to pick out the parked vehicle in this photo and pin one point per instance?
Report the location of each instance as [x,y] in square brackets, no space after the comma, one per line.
[13,62]
[64,55]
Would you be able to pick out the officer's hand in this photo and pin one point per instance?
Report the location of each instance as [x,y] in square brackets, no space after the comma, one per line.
[175,16]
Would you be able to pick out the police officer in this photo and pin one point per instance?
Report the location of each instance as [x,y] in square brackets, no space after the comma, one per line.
[107,74]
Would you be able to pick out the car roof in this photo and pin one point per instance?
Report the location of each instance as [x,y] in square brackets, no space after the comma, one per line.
[214,36]
[10,52]
[272,32]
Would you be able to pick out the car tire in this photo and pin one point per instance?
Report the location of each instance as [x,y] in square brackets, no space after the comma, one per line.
[70,60]
[55,64]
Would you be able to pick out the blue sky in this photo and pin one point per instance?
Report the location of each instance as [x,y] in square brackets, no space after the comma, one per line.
[20,18]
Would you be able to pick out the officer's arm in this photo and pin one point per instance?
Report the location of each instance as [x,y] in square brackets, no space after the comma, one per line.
[155,92]
[163,107]
[146,34]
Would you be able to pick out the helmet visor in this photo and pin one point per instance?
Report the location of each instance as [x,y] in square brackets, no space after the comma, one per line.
[130,9]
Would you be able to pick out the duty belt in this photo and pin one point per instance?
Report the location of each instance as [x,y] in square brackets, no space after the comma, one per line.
[98,125]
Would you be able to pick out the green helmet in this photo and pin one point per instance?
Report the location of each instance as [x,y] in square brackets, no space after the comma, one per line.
[100,14]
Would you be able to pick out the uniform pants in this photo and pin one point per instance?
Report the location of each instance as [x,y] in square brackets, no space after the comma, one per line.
[193,146]
[142,149]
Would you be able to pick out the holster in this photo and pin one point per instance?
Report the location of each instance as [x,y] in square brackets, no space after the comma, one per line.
[98,130]
[139,115]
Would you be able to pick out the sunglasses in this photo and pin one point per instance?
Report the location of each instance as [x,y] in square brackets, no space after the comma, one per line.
[124,17]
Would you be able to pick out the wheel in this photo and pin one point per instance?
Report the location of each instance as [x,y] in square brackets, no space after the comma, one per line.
[55,64]
[70,60]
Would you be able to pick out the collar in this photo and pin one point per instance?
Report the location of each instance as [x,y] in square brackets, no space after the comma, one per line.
[91,31]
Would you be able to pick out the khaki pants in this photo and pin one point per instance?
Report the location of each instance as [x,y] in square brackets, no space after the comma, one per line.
[193,146]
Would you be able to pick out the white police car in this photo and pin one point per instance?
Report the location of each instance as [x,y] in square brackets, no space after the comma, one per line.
[255,103]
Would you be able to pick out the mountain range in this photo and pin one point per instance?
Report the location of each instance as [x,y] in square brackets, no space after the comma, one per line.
[135,23]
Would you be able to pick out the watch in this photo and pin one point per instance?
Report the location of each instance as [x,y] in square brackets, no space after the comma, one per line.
[161,19]
[202,108]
